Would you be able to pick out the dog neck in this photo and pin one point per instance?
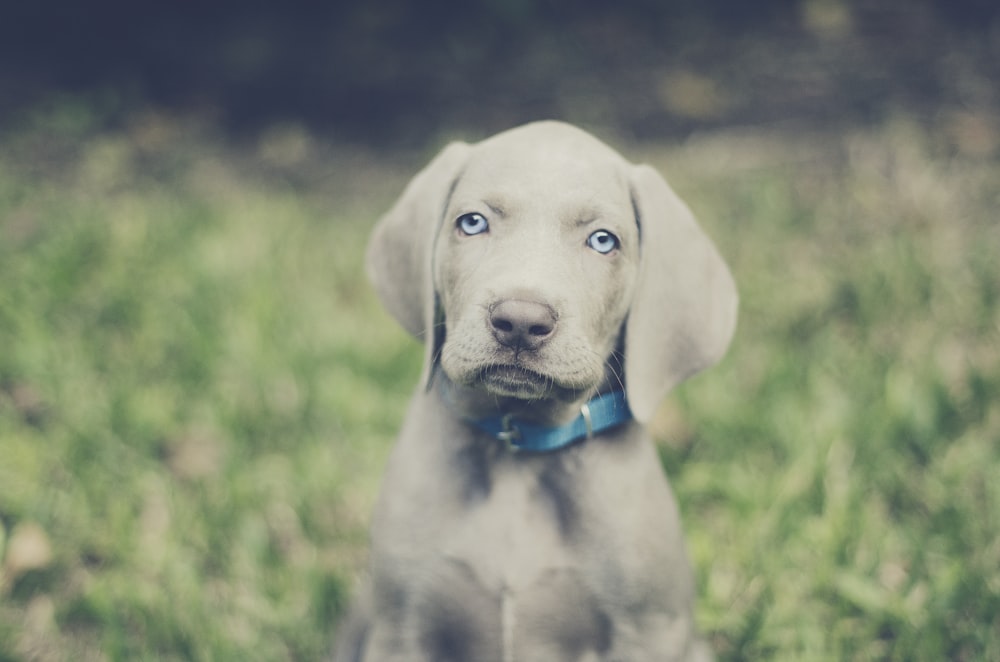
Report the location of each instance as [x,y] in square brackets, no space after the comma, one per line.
[536,425]
[600,413]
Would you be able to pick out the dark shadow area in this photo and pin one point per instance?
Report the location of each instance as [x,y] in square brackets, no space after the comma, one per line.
[399,71]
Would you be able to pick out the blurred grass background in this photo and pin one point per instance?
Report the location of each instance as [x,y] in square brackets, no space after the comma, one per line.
[198,389]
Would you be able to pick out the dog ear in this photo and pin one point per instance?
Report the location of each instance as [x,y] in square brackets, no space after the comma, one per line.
[684,310]
[401,248]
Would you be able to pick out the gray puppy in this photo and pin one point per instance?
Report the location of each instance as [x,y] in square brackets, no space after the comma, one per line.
[561,292]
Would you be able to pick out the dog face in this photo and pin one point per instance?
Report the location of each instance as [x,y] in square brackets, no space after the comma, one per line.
[525,260]
[535,266]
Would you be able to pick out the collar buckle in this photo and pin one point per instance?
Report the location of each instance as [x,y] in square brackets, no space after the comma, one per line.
[585,413]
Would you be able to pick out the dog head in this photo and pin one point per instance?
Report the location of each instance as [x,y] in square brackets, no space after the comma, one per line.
[528,261]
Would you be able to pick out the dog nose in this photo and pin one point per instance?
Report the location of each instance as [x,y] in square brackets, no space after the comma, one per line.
[522,324]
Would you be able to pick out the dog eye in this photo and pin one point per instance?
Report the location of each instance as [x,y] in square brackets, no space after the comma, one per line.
[473,223]
[603,241]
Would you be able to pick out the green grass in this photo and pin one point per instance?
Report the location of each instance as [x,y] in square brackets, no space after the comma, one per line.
[198,390]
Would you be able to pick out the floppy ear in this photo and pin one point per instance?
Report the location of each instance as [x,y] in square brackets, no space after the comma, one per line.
[684,311]
[401,247]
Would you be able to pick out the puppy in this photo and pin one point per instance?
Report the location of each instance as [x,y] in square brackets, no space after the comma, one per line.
[560,292]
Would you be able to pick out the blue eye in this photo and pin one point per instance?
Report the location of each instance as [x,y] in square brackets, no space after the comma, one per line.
[603,241]
[473,223]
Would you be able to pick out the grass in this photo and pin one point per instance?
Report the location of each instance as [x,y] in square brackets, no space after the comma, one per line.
[198,390]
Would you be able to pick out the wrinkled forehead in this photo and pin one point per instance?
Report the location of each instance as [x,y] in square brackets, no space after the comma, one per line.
[525,168]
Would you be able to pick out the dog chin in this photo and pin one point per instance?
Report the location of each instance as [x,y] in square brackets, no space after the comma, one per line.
[511,381]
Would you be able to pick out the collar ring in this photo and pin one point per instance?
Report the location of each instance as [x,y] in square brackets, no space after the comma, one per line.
[510,432]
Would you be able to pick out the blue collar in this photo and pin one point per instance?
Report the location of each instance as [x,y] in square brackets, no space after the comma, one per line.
[599,414]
